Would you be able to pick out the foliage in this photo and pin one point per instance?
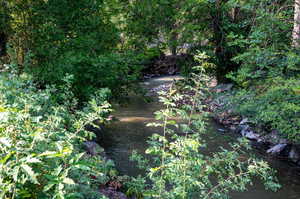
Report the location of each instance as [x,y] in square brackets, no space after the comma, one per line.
[266,50]
[118,72]
[41,138]
[276,105]
[178,168]
[178,23]
[49,29]
[269,69]
[54,39]
[89,50]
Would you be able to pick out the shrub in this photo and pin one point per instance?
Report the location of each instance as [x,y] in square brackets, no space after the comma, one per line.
[118,72]
[178,168]
[41,138]
[276,105]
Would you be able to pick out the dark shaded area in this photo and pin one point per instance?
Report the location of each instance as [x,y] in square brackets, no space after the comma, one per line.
[3,42]
[167,64]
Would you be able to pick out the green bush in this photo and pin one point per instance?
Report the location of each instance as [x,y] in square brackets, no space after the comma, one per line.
[41,137]
[118,72]
[274,104]
[268,76]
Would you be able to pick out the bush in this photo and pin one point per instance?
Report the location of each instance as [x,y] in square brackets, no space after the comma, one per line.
[275,105]
[41,138]
[118,72]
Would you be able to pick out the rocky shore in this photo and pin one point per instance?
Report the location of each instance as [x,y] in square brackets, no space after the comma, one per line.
[268,141]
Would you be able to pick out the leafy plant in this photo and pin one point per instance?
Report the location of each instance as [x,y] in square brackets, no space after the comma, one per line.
[178,168]
[274,105]
[118,72]
[41,138]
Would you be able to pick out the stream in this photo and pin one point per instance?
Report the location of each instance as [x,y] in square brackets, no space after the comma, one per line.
[131,133]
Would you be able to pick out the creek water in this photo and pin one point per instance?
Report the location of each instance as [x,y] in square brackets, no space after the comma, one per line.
[130,133]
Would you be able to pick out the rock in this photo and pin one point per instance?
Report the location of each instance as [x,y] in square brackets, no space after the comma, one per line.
[251,135]
[283,141]
[222,130]
[93,148]
[273,138]
[245,127]
[246,132]
[111,193]
[223,87]
[242,129]
[243,132]
[244,121]
[277,149]
[232,128]
[294,154]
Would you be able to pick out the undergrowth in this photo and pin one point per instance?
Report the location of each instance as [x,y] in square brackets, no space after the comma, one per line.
[41,136]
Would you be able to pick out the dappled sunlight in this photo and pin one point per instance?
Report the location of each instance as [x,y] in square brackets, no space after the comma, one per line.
[165,79]
[135,119]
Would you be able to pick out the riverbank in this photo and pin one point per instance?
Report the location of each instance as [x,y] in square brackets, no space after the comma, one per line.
[269,141]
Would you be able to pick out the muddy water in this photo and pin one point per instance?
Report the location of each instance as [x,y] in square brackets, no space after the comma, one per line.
[130,133]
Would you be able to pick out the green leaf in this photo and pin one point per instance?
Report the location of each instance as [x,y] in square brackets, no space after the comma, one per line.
[68,181]
[15,173]
[48,186]
[32,160]
[83,167]
[30,173]
[3,160]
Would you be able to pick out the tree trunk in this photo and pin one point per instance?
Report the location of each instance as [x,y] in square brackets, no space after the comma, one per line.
[173,46]
[3,42]
[219,41]
[296,31]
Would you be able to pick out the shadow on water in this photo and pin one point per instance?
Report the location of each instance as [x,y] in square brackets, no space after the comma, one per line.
[131,133]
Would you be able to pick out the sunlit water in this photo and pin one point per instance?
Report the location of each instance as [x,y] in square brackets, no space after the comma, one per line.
[131,133]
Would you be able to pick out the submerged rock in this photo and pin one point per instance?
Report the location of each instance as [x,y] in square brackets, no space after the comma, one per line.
[273,138]
[222,130]
[93,148]
[277,149]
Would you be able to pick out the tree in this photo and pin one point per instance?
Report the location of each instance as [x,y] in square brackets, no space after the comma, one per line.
[296,31]
[167,23]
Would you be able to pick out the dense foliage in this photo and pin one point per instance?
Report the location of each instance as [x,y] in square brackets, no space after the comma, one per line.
[53,39]
[41,138]
[268,77]
[61,60]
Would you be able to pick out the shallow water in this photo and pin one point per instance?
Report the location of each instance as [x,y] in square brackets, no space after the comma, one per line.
[130,133]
